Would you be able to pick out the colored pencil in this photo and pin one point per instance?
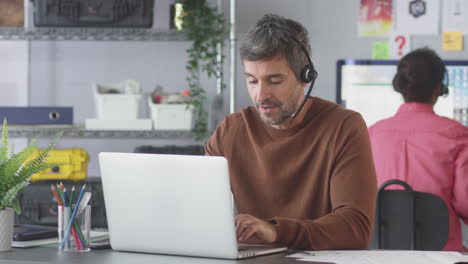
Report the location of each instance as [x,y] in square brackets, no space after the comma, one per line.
[80,234]
[71,195]
[76,238]
[60,192]
[56,195]
[65,200]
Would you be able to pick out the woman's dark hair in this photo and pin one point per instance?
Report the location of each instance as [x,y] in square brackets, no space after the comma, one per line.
[419,74]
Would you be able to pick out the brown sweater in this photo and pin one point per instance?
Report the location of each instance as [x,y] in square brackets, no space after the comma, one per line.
[316,180]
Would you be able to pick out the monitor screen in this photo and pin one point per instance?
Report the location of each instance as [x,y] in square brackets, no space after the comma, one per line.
[365,86]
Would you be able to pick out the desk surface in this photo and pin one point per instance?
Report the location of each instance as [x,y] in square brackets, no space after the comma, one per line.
[51,255]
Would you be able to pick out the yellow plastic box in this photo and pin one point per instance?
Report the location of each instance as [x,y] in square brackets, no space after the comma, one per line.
[76,170]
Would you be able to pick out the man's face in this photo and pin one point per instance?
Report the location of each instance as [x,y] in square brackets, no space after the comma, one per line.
[274,89]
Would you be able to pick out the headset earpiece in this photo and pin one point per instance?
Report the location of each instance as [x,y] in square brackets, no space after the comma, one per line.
[444,90]
[395,82]
[308,73]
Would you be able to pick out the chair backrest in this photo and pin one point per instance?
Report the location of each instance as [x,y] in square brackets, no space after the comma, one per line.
[409,220]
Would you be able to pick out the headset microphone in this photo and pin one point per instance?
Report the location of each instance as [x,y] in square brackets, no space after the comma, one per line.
[308,74]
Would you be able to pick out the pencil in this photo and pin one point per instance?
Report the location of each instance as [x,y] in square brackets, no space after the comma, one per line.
[80,234]
[54,192]
[71,195]
[78,244]
[65,200]
[60,192]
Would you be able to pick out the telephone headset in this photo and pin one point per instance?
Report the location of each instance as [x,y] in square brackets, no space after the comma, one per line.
[444,91]
[308,73]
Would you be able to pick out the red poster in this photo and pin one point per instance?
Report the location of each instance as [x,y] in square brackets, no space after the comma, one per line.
[375,18]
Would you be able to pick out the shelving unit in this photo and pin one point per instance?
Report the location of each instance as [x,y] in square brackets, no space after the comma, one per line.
[91,34]
[78,131]
[31,33]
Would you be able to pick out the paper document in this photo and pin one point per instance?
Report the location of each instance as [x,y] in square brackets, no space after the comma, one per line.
[454,15]
[417,17]
[95,236]
[380,257]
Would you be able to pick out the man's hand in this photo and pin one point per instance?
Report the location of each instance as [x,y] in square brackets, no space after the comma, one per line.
[252,230]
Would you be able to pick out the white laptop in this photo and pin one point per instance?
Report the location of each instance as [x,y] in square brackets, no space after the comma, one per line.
[171,204]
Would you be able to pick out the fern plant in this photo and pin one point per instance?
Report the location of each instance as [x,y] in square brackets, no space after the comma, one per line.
[15,172]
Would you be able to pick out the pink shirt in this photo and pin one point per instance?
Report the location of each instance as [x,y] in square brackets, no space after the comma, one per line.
[430,153]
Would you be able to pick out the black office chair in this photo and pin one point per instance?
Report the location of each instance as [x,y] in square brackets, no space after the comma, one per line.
[409,220]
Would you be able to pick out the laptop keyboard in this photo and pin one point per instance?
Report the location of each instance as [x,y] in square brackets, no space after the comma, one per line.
[245,247]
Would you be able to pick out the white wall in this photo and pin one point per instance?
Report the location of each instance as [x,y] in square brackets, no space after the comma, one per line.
[332,26]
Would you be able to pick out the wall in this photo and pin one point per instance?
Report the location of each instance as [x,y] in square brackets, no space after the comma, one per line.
[332,26]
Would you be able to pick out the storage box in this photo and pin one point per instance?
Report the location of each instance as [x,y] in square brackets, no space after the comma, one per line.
[75,170]
[171,116]
[117,106]
[87,13]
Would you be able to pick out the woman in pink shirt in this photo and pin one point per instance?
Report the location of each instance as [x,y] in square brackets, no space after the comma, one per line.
[427,151]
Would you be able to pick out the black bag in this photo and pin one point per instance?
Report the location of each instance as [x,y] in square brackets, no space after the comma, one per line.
[93,13]
[38,206]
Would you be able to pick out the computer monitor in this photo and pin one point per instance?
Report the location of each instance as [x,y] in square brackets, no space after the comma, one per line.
[365,86]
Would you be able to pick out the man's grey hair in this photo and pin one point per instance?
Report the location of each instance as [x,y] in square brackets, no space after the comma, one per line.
[271,36]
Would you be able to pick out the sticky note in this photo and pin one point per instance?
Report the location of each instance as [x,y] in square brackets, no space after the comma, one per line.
[380,50]
[452,41]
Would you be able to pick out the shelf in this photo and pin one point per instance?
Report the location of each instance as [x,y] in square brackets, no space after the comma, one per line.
[92,34]
[78,131]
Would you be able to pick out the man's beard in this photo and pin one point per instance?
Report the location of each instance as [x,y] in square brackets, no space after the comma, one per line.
[285,111]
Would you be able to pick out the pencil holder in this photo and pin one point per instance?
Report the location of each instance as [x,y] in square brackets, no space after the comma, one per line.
[74,233]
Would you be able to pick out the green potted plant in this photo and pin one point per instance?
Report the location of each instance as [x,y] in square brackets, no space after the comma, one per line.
[14,176]
[207,29]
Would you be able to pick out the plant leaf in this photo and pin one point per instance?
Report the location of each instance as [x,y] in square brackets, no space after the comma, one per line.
[9,169]
[8,198]
[14,174]
[39,159]
[4,155]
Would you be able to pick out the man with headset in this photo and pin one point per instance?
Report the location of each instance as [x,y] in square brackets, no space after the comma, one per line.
[427,151]
[301,167]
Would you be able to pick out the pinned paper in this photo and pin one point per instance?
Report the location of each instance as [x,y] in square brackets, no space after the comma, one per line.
[454,13]
[452,41]
[380,50]
[375,18]
[417,17]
